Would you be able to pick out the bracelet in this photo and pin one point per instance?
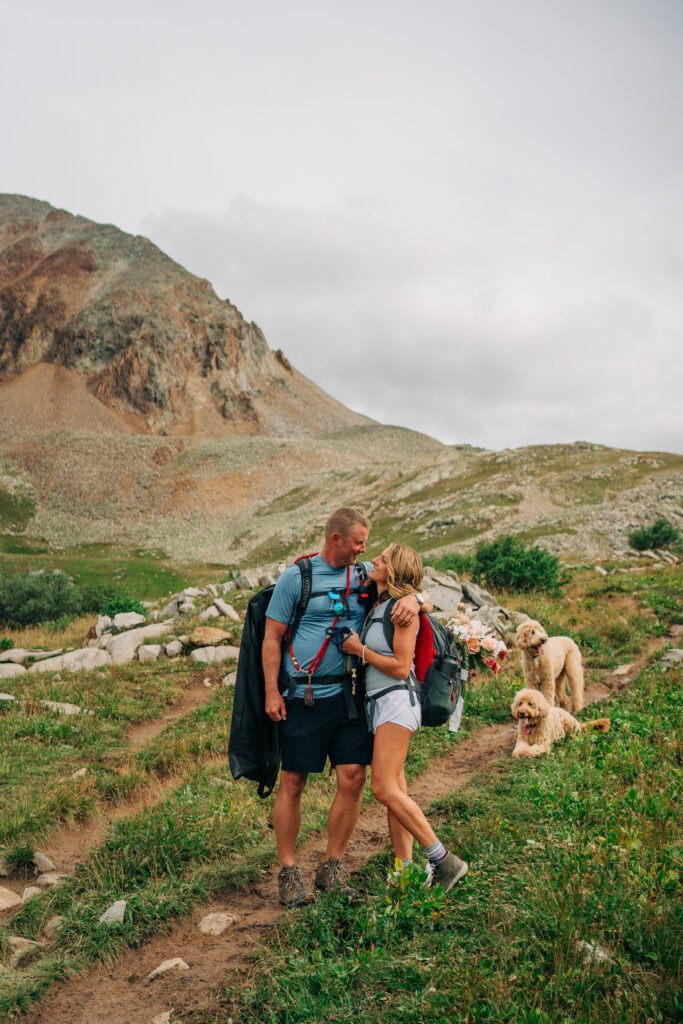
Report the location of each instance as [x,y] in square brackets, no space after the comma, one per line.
[362,657]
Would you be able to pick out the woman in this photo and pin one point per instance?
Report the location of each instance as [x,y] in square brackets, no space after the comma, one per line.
[395,715]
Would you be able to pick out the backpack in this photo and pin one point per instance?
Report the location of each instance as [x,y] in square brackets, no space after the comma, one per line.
[254,745]
[438,667]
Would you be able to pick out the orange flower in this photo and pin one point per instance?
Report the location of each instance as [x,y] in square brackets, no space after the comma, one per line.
[474,645]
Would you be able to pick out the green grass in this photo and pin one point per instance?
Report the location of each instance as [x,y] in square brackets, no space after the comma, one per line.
[580,846]
[16,510]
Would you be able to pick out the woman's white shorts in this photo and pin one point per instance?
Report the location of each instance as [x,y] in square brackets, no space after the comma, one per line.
[394,707]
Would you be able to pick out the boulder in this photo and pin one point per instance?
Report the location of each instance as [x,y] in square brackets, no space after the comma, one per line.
[226,587]
[174,648]
[443,580]
[175,964]
[115,913]
[74,661]
[51,879]
[148,652]
[226,609]
[162,1018]
[247,581]
[6,697]
[185,607]
[19,655]
[80,774]
[208,635]
[600,570]
[214,655]
[4,868]
[8,671]
[63,708]
[209,613]
[216,924]
[267,579]
[53,926]
[29,892]
[122,648]
[23,950]
[126,620]
[190,592]
[103,623]
[671,658]
[477,596]
[171,609]
[444,599]
[43,862]
[8,899]
[230,679]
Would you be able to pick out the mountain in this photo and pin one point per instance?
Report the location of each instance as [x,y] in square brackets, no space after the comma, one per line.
[107,330]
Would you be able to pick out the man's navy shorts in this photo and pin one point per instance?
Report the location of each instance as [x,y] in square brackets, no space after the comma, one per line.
[309,735]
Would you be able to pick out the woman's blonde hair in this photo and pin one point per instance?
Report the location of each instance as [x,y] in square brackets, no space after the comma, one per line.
[404,570]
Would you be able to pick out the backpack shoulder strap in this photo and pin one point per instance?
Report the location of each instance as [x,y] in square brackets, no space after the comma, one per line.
[306,569]
[387,624]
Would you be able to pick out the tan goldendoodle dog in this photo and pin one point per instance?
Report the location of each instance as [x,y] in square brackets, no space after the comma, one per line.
[550,662]
[540,724]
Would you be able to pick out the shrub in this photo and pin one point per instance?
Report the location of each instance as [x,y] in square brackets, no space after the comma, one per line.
[38,597]
[6,643]
[508,564]
[661,534]
[454,561]
[108,600]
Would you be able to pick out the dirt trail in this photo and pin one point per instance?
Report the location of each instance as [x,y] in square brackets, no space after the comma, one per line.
[120,994]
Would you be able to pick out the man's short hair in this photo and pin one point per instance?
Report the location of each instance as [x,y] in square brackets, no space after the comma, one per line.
[343,521]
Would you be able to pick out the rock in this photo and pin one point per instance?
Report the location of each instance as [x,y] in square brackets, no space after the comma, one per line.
[74,661]
[115,913]
[174,648]
[80,774]
[185,607]
[53,926]
[218,781]
[162,1018]
[593,955]
[190,592]
[267,579]
[126,620]
[213,590]
[122,648]
[43,862]
[443,580]
[6,697]
[216,924]
[5,869]
[214,655]
[247,581]
[208,635]
[226,609]
[649,554]
[600,571]
[477,596]
[63,708]
[176,964]
[103,623]
[230,679]
[29,892]
[444,599]
[208,684]
[148,652]
[23,950]
[671,658]
[517,618]
[9,671]
[51,879]
[209,613]
[8,899]
[226,587]
[171,609]
[676,630]
[623,670]
[18,655]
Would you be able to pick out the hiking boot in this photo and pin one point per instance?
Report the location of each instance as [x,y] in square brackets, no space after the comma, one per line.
[448,871]
[329,877]
[292,887]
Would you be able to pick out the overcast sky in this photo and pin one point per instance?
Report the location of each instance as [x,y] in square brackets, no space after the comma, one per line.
[463,216]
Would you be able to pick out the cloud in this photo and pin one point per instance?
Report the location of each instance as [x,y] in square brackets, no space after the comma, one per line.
[433,332]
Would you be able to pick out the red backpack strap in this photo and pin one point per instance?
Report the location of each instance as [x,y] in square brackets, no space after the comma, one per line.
[424,648]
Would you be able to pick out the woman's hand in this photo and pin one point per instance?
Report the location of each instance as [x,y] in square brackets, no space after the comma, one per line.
[352,644]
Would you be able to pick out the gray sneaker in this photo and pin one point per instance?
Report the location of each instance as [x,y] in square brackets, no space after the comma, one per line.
[329,876]
[292,887]
[448,871]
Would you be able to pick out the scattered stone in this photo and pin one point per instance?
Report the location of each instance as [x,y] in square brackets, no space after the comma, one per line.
[51,879]
[213,590]
[162,1018]
[115,913]
[148,652]
[122,648]
[226,609]
[218,781]
[53,926]
[230,679]
[63,709]
[444,581]
[43,862]
[226,587]
[600,570]
[209,613]
[171,609]
[176,964]
[80,774]
[593,955]
[103,623]
[649,554]
[671,658]
[190,592]
[216,924]
[126,620]
[7,696]
[623,670]
[174,648]
[267,579]
[676,630]
[29,892]
[74,661]
[214,655]
[208,684]
[18,655]
[9,671]
[8,899]
[247,581]
[204,636]
[185,607]
[24,950]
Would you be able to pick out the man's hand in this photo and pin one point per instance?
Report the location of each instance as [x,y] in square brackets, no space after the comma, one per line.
[405,610]
[276,709]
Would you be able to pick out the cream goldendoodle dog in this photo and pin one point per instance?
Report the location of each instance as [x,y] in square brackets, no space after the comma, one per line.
[549,663]
[540,724]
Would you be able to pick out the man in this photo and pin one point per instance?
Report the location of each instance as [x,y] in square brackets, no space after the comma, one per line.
[319,714]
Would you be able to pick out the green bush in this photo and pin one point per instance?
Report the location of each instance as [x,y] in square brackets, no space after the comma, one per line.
[6,643]
[454,561]
[37,597]
[506,563]
[108,600]
[661,534]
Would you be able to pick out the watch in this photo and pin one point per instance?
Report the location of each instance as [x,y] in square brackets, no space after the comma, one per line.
[420,599]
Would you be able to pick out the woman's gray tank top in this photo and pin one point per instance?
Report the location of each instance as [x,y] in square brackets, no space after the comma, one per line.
[376,641]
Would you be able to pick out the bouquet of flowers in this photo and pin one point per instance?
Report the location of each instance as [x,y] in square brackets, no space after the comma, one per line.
[480,646]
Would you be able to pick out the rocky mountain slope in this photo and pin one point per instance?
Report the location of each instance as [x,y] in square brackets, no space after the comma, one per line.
[120,336]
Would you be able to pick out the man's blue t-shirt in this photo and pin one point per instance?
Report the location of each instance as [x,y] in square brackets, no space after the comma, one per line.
[320,614]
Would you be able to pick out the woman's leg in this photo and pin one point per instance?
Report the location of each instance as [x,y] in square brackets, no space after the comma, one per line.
[388,759]
[401,839]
